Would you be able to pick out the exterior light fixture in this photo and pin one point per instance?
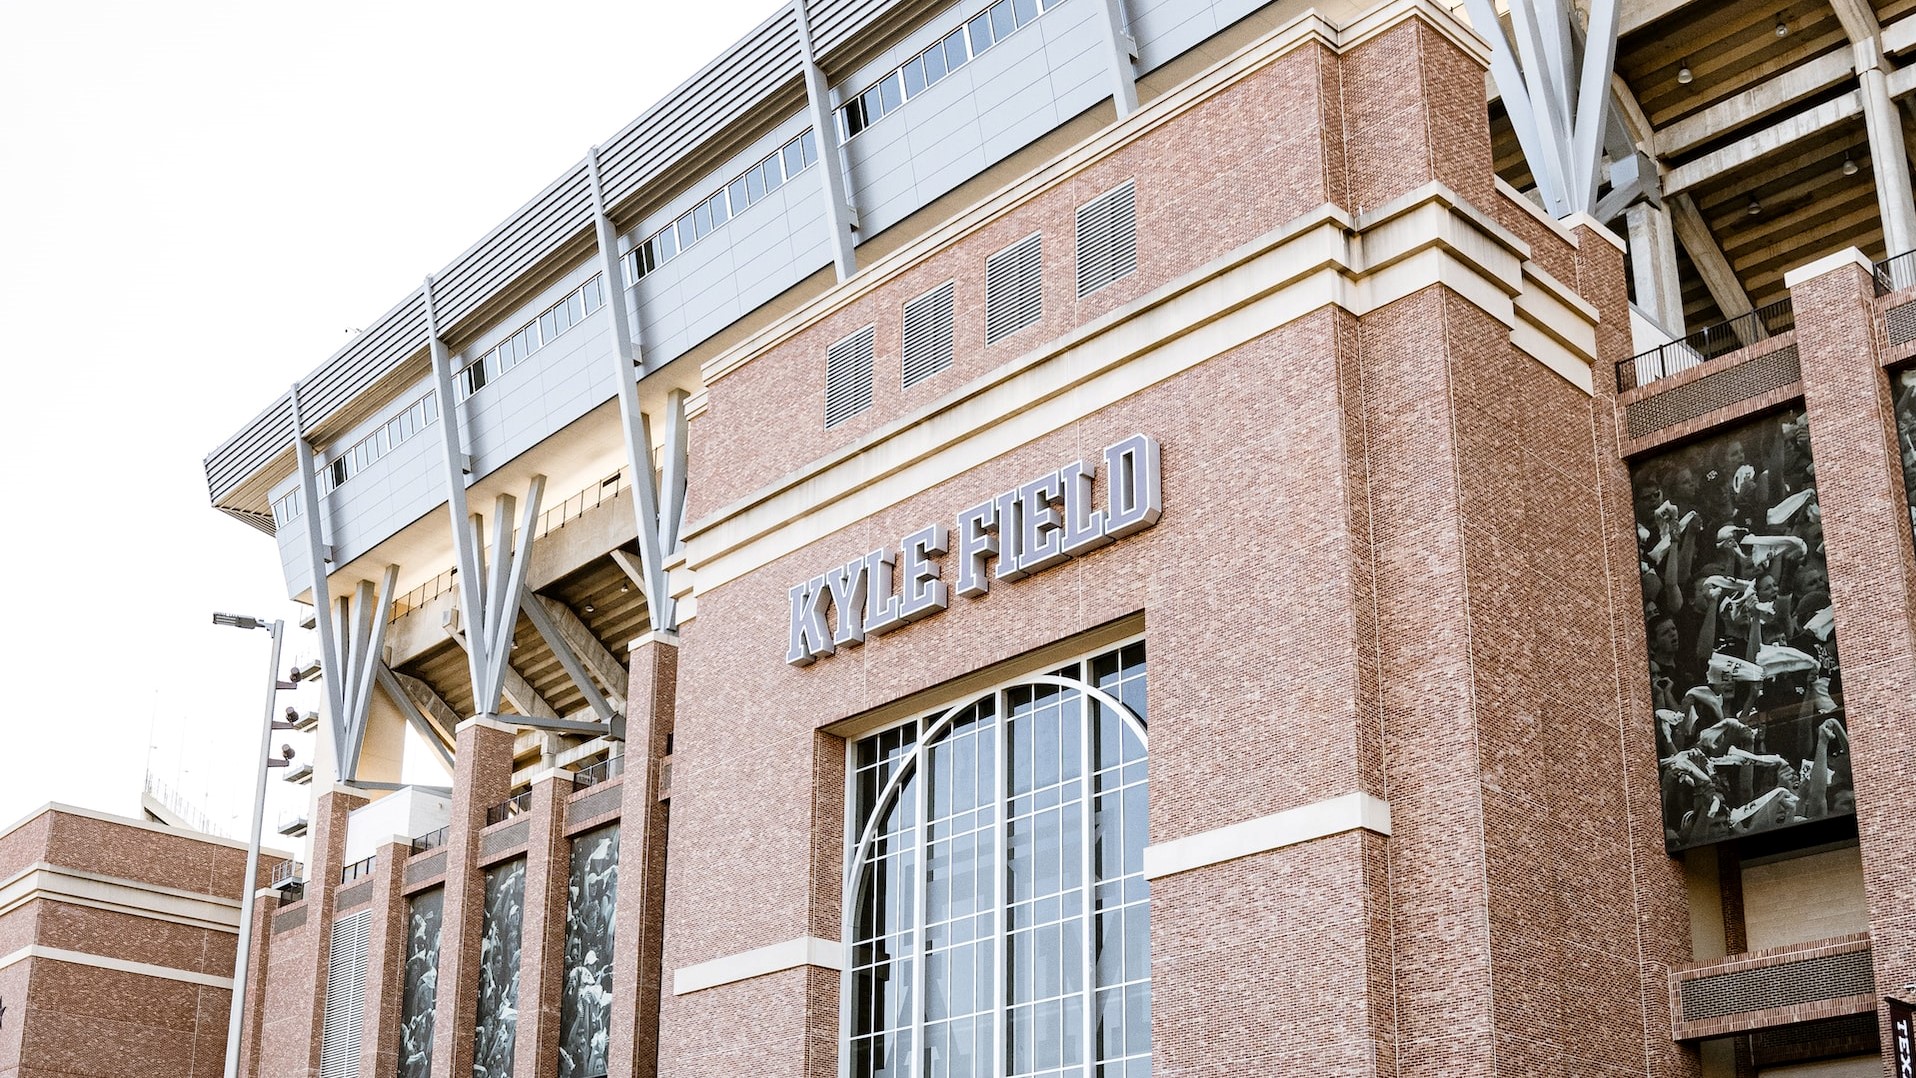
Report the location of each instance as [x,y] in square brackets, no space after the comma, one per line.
[1782,28]
[1683,73]
[1754,207]
[589,608]
[1849,166]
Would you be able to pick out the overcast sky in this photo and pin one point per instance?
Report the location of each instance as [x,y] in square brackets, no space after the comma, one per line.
[197,201]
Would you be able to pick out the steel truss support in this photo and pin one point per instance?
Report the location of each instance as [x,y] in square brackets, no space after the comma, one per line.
[409,702]
[834,186]
[658,489]
[352,632]
[584,658]
[1122,55]
[1888,152]
[1556,99]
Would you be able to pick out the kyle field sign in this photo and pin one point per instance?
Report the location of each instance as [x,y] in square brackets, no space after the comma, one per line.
[1026,530]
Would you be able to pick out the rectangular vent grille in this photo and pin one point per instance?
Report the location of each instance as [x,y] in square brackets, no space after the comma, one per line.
[1900,320]
[1014,288]
[848,378]
[1833,976]
[927,335]
[343,1020]
[1107,238]
[1748,380]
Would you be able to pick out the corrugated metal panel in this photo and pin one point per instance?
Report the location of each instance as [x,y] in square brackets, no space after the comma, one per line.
[836,21]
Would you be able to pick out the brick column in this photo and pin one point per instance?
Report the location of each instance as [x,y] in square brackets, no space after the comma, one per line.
[298,1035]
[639,921]
[482,777]
[542,942]
[386,965]
[1872,572]
[265,902]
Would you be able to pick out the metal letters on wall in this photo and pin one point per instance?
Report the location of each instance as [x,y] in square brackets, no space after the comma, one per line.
[421,988]
[1744,677]
[585,1007]
[1025,530]
[498,1025]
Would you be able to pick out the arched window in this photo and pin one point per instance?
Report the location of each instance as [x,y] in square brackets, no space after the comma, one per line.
[997,929]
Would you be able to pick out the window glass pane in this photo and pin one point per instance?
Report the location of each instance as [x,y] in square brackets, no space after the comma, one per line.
[721,212]
[1002,22]
[873,103]
[575,305]
[683,232]
[955,51]
[549,323]
[1026,10]
[594,295]
[755,184]
[933,64]
[979,30]
[914,77]
[808,147]
[891,92]
[793,158]
[738,195]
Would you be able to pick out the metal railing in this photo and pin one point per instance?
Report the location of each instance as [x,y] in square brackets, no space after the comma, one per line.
[549,521]
[510,807]
[284,872]
[358,869]
[1895,273]
[1706,344]
[431,840]
[576,506]
[610,767]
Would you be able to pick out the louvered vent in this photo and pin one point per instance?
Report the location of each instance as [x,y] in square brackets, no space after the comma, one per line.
[343,1020]
[1107,238]
[848,378]
[1014,288]
[927,335]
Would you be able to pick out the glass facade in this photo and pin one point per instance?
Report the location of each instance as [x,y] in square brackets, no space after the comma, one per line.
[585,1007]
[1744,676]
[421,991]
[999,912]
[494,1033]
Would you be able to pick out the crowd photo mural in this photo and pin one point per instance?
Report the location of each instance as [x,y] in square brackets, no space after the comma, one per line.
[1744,676]
[1903,392]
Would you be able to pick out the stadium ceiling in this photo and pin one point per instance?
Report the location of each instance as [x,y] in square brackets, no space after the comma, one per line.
[1738,139]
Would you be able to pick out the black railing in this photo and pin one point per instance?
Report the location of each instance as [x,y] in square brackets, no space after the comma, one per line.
[510,807]
[1706,344]
[285,871]
[1895,273]
[358,869]
[431,840]
[610,767]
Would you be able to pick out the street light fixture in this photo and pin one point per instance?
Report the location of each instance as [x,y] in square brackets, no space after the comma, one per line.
[242,953]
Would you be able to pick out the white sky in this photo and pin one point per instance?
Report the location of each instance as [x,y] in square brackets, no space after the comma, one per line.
[197,200]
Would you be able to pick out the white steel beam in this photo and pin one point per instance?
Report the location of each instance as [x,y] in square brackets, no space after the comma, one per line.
[426,699]
[503,611]
[457,465]
[369,614]
[1653,266]
[1121,52]
[317,554]
[514,687]
[672,475]
[834,186]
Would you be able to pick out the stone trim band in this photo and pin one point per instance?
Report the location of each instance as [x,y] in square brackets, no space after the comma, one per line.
[776,958]
[1351,812]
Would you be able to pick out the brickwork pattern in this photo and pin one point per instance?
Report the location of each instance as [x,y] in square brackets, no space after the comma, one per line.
[482,777]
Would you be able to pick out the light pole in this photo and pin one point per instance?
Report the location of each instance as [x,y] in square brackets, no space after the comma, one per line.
[243,953]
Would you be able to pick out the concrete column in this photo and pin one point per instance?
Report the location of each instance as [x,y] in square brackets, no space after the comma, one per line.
[1653,266]
[639,921]
[386,961]
[482,777]
[542,940]
[1872,572]
[1887,154]
[265,903]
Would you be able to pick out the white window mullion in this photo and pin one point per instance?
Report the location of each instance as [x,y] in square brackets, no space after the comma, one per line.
[1087,839]
[921,880]
[1001,852]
